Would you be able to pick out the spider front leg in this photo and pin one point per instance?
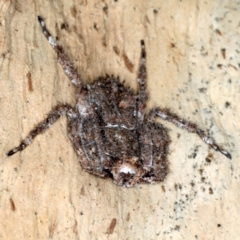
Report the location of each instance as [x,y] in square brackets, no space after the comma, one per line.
[165,114]
[63,58]
[142,83]
[52,117]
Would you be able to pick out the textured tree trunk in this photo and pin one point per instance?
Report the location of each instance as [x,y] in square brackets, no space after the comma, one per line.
[193,68]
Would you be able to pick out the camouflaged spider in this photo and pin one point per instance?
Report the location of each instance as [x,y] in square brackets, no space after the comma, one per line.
[109,127]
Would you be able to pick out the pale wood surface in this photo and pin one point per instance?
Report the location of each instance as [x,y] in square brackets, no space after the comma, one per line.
[44,194]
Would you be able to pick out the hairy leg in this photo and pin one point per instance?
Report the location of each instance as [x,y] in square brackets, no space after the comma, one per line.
[165,114]
[92,140]
[76,129]
[142,83]
[146,146]
[63,58]
[145,139]
[52,117]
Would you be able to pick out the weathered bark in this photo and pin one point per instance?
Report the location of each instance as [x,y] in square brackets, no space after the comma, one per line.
[193,68]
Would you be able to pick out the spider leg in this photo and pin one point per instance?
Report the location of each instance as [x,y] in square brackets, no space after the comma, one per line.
[154,143]
[98,140]
[63,58]
[165,114]
[52,117]
[99,158]
[145,139]
[142,82]
[146,146]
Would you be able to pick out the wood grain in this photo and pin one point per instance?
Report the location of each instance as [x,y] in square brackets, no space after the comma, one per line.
[193,68]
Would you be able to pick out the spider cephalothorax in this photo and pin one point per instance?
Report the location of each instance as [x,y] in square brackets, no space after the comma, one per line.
[110,129]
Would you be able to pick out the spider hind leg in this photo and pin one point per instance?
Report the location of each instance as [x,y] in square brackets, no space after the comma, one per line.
[165,114]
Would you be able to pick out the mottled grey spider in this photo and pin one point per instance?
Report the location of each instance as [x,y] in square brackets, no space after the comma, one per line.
[109,127]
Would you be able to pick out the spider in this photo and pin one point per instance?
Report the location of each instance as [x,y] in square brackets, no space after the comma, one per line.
[111,131]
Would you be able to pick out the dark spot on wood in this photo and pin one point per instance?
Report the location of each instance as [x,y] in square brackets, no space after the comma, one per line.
[73,11]
[127,62]
[13,207]
[194,155]
[210,155]
[155,11]
[147,20]
[210,190]
[112,226]
[227,104]
[219,225]
[104,43]
[116,50]
[163,188]
[223,51]
[4,54]
[95,26]
[177,228]
[29,77]
[74,28]
[82,191]
[52,228]
[105,9]
[202,90]
[177,186]
[64,26]
[208,160]
[219,66]
[128,217]
[218,32]
[173,45]
[235,68]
